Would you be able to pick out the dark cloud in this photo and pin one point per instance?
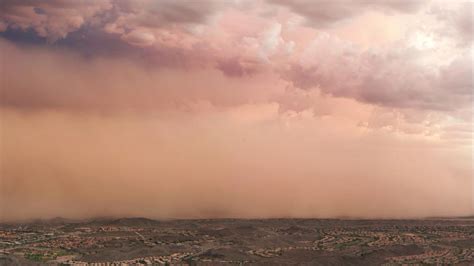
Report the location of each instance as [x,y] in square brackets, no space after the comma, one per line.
[51,19]
[54,20]
[149,31]
[154,33]
[23,36]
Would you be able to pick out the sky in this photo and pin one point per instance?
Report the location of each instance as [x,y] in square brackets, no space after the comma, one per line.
[236,108]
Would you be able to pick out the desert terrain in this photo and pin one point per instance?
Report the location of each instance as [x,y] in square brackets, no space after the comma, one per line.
[235,241]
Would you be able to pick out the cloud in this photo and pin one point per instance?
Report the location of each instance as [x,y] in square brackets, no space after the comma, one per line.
[237,67]
[395,77]
[54,20]
[51,19]
[147,13]
[66,82]
[457,20]
[139,38]
[324,14]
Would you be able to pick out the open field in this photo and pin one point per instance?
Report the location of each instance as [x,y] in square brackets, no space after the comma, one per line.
[272,241]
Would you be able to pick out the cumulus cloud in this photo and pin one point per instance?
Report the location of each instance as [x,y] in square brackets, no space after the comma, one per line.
[56,19]
[325,13]
[146,15]
[161,13]
[50,19]
[390,77]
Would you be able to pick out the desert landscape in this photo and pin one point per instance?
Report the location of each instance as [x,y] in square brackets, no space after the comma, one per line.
[235,241]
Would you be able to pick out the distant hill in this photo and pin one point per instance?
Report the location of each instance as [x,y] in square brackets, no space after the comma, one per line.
[130,222]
